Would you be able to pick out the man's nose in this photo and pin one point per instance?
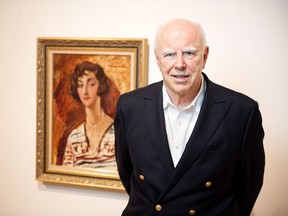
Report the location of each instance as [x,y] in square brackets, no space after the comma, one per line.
[180,62]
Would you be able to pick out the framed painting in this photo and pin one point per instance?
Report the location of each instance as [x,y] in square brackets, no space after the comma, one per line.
[78,83]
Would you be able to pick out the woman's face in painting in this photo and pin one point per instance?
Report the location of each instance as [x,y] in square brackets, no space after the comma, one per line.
[87,88]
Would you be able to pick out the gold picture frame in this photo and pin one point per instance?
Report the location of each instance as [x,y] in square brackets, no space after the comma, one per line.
[124,61]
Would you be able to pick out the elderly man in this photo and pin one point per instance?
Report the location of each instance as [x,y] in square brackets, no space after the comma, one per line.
[185,145]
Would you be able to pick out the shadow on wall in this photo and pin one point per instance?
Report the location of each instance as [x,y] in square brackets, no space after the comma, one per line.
[281,211]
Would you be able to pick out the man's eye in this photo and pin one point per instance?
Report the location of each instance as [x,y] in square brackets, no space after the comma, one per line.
[189,54]
[169,55]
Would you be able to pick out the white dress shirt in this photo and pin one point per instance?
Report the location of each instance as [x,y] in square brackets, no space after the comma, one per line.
[180,123]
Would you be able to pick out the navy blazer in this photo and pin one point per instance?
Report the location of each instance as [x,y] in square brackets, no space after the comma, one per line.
[221,170]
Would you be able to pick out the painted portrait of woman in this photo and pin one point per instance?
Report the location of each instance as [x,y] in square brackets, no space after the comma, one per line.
[89,143]
[79,81]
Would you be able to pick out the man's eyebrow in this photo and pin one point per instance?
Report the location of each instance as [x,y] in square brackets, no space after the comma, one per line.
[190,49]
[167,50]
[186,49]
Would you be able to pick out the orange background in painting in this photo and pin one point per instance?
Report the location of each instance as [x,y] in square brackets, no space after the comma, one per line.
[67,113]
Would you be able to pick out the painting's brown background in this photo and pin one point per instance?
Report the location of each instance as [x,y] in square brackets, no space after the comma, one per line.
[67,113]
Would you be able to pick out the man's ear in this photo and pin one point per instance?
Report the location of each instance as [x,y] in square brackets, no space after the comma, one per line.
[205,56]
[157,57]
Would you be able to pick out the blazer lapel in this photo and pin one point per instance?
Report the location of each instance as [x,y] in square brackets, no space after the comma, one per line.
[154,119]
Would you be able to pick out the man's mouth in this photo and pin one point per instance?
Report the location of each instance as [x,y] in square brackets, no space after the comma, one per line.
[180,76]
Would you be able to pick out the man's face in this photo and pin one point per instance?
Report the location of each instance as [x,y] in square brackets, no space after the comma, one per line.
[181,57]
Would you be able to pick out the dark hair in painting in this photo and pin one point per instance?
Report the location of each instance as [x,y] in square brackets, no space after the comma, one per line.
[79,71]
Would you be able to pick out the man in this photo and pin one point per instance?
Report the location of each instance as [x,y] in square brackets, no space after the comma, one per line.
[185,145]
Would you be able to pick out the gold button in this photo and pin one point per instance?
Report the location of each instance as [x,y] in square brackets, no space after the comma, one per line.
[142,177]
[208,184]
[192,212]
[158,207]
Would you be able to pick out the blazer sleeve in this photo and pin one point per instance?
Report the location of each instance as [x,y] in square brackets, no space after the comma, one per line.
[252,163]
[123,160]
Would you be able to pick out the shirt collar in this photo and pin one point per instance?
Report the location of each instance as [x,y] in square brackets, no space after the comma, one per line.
[197,102]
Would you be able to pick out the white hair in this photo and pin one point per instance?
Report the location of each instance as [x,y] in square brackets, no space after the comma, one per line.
[198,26]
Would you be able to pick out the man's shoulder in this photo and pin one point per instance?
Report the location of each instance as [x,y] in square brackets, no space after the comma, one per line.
[228,94]
[147,91]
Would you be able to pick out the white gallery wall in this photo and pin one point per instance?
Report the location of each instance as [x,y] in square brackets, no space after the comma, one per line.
[248,52]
